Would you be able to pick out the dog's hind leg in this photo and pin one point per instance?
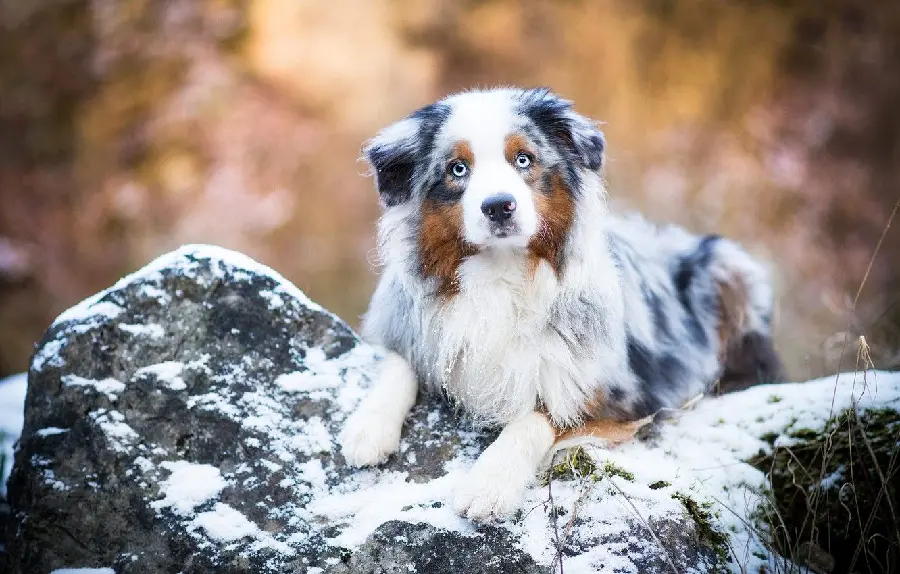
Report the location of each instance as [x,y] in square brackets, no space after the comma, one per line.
[745,309]
[372,432]
[606,431]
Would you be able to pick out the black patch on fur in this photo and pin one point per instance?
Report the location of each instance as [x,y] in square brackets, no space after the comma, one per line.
[656,373]
[395,161]
[683,278]
[660,319]
[750,360]
[443,193]
[393,173]
[432,117]
[574,136]
[617,394]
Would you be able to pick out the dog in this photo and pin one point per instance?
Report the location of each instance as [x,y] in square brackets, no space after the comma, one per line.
[508,285]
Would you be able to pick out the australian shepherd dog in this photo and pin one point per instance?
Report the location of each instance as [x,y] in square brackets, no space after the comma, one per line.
[508,285]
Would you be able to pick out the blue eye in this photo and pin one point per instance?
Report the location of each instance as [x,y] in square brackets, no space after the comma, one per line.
[523,161]
[459,168]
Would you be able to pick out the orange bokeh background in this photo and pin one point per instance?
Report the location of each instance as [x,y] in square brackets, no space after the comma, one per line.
[130,128]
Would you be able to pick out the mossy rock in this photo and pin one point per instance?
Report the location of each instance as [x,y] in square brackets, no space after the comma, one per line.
[834,496]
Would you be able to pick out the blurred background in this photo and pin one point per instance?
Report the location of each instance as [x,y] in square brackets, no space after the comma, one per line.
[128,128]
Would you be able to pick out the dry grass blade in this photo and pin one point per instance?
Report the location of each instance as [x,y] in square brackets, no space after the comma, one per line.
[862,283]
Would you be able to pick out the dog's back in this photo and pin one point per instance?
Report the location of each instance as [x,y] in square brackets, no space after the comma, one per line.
[699,313]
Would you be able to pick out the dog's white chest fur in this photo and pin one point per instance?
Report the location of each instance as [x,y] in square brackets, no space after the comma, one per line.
[498,354]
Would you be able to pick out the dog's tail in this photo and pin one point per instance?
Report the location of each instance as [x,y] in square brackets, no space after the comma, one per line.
[745,306]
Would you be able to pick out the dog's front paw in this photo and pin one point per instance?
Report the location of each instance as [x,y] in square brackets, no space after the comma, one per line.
[492,488]
[367,439]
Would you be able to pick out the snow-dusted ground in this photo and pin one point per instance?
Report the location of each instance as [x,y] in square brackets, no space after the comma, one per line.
[12,405]
[701,453]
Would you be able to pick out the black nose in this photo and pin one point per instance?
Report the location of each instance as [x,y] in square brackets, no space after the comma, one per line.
[499,207]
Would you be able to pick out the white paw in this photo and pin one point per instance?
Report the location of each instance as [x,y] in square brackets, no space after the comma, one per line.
[492,488]
[367,438]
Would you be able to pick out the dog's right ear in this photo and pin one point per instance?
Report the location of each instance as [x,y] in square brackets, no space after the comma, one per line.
[394,152]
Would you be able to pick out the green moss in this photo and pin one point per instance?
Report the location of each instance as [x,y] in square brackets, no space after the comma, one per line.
[770,437]
[611,469]
[576,464]
[806,434]
[774,399]
[831,485]
[707,529]
[659,484]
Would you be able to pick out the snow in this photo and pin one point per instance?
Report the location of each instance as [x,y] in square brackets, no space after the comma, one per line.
[188,486]
[90,308]
[83,571]
[225,524]
[48,355]
[184,258]
[153,331]
[94,311]
[12,416]
[168,373]
[50,431]
[372,499]
[118,433]
[700,453]
[320,374]
[109,387]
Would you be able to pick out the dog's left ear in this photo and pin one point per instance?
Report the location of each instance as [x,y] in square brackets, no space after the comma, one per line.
[567,129]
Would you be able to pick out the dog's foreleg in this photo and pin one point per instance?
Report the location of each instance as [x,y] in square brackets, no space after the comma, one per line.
[497,481]
[372,432]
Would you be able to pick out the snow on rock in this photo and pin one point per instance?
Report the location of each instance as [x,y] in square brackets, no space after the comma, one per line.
[213,449]
[153,331]
[168,373]
[12,406]
[108,386]
[188,486]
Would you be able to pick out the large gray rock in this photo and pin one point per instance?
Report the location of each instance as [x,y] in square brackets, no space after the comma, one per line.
[184,421]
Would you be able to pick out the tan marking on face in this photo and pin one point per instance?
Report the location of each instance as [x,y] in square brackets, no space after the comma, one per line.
[556,213]
[513,145]
[441,245]
[462,150]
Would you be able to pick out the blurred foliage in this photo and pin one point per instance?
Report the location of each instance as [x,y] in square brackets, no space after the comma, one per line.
[128,128]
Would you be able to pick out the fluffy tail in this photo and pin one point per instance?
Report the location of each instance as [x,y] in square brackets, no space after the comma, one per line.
[745,307]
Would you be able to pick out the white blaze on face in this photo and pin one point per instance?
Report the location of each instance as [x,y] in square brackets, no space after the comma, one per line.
[484,121]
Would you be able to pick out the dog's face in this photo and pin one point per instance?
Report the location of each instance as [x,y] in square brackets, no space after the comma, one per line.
[496,169]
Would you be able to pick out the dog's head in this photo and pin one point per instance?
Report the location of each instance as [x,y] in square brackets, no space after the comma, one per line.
[495,169]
